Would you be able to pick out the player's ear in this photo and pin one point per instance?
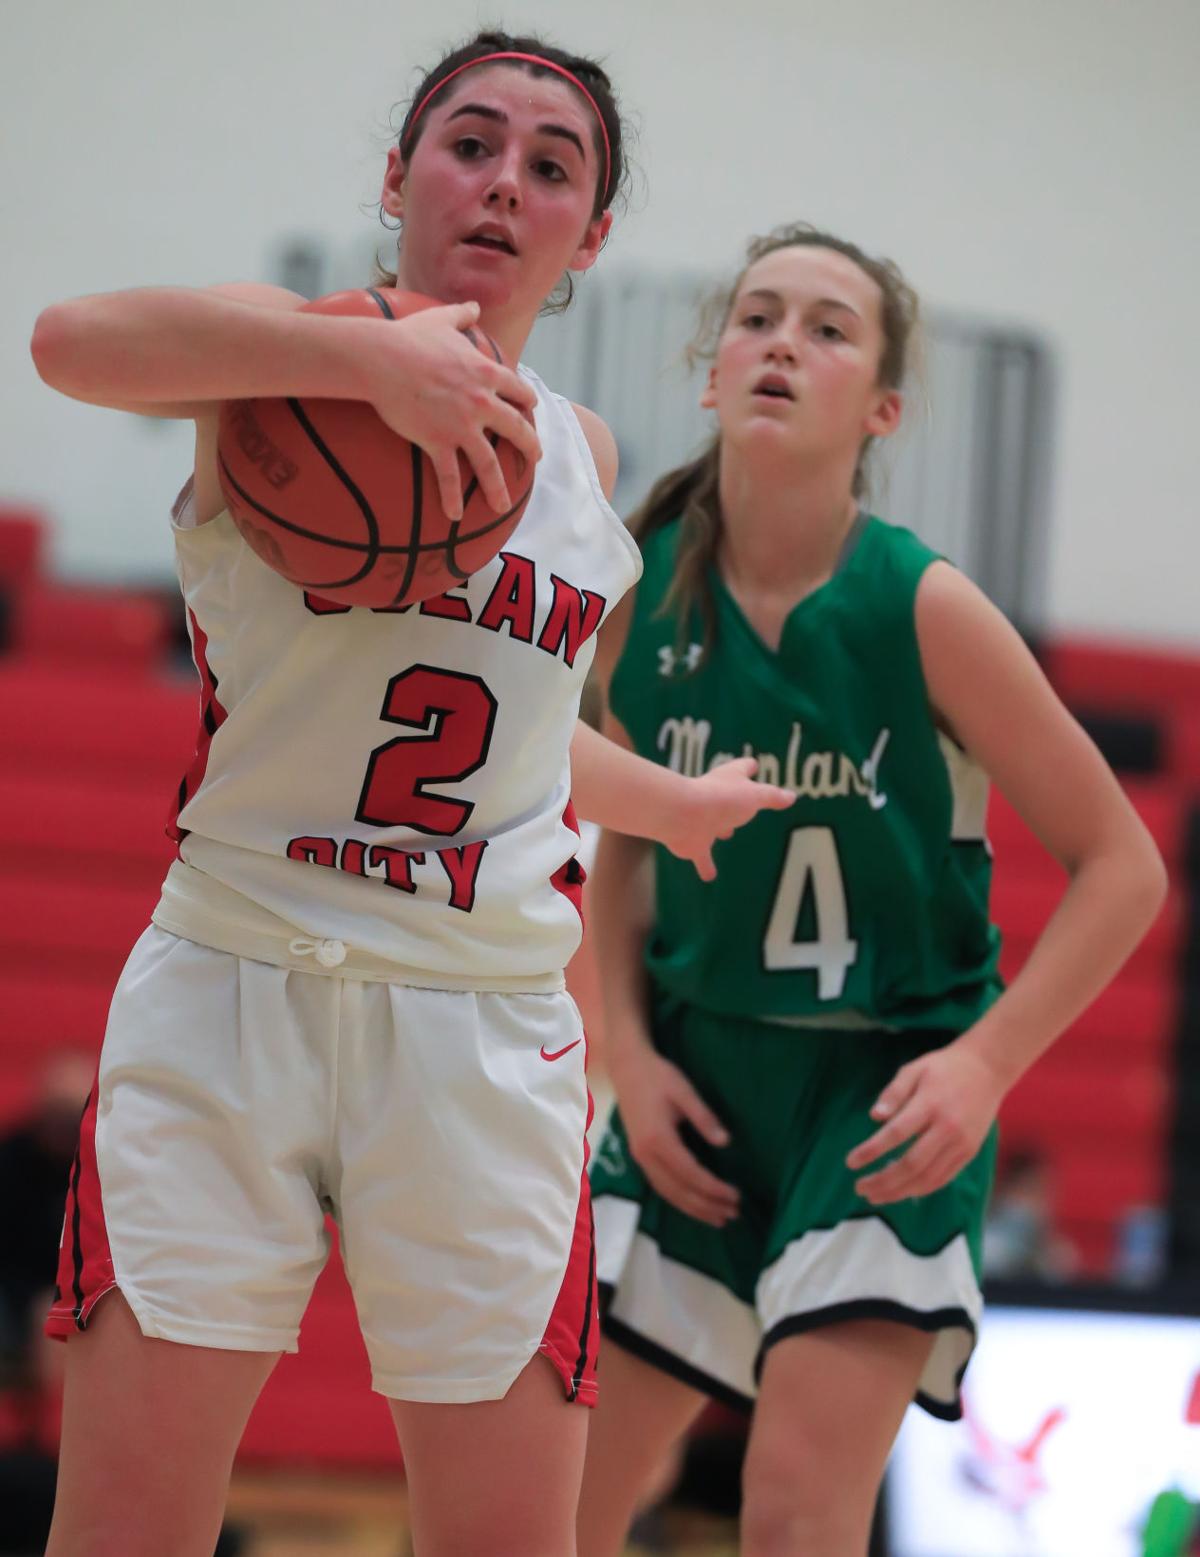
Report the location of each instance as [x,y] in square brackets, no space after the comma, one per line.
[708,395]
[885,418]
[392,198]
[588,252]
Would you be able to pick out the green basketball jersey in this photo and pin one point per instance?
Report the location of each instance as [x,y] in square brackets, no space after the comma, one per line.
[867,901]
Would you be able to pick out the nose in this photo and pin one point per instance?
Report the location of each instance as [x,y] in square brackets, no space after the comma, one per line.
[781,347]
[505,188]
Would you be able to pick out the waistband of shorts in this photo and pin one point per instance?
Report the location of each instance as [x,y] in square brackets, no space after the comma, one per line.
[197,907]
[844,1021]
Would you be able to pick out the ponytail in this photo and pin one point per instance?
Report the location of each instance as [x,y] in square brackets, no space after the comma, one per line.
[690,494]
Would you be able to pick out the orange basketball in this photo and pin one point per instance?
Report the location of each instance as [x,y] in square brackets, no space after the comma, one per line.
[334,500]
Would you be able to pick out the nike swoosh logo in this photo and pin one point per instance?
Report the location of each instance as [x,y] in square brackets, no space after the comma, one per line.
[559,1053]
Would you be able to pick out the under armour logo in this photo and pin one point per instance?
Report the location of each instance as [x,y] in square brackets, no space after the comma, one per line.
[669,662]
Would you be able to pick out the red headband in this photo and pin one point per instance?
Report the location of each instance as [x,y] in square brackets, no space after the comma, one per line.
[529,59]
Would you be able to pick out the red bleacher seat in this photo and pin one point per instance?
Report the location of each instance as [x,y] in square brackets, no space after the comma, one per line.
[90,626]
[22,546]
[1183,747]
[94,724]
[1093,1182]
[1131,1021]
[114,830]
[1091,1242]
[1101,674]
[1090,1107]
[65,916]
[40,1012]
[1097,1105]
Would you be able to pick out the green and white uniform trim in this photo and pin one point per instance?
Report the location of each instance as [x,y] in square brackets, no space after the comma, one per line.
[841,939]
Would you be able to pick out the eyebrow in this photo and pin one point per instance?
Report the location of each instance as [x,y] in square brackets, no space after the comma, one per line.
[770,296]
[499,117]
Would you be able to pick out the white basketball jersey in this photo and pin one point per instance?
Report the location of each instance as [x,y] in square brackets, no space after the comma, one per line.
[399,781]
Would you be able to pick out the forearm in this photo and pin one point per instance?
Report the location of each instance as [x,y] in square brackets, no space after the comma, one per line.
[1108,906]
[177,344]
[617,790]
[620,913]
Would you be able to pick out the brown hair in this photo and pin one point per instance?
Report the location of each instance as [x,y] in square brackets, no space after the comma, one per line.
[591,76]
[691,492]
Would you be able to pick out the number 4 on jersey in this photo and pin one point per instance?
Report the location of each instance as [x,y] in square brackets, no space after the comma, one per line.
[811,856]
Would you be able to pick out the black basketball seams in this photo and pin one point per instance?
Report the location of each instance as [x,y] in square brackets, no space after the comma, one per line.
[296,529]
[343,476]
[365,555]
[473,337]
[381,302]
[418,502]
[484,529]
[383,549]
[452,551]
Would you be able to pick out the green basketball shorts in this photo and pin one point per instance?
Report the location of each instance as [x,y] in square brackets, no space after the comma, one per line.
[706,1304]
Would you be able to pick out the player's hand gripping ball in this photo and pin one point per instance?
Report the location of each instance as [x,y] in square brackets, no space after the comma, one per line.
[334,500]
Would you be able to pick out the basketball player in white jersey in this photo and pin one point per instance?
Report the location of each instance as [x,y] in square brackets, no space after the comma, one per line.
[351,998]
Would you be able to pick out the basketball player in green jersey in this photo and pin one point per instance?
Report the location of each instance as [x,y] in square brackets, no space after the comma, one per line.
[810,1051]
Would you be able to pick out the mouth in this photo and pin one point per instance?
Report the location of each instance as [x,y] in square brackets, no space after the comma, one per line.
[491,237]
[773,386]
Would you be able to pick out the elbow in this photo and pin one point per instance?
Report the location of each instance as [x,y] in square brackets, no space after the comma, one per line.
[54,346]
[1146,882]
[1157,881]
[48,347]
[1135,878]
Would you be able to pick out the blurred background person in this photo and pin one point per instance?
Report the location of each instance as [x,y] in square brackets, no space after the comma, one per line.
[1019,1235]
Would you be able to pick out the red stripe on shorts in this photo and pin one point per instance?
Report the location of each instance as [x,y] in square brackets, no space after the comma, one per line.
[85,1267]
[573,1334]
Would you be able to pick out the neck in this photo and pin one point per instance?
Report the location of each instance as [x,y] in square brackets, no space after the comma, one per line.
[510,328]
[782,530]
[508,333]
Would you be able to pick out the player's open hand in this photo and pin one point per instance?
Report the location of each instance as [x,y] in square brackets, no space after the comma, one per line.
[942,1105]
[656,1098]
[438,390]
[716,805]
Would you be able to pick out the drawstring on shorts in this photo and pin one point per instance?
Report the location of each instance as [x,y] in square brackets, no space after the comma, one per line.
[329,953]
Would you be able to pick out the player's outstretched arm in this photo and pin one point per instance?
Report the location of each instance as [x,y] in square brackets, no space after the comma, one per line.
[175,351]
[164,351]
[618,790]
[989,691]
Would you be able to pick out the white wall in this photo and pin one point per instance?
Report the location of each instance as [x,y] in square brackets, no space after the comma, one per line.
[1030,160]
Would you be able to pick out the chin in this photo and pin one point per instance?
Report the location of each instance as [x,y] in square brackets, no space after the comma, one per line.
[477,284]
[766,438]
[772,429]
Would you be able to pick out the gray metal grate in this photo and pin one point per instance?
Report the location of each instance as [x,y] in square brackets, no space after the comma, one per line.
[967,472]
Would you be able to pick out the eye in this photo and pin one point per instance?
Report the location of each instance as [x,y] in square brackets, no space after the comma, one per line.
[553,172]
[469,148]
[830,332]
[755,321]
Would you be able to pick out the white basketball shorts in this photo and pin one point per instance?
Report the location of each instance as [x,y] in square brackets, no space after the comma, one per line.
[237,1102]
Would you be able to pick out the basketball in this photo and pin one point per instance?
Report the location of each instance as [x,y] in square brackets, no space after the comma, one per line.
[335,501]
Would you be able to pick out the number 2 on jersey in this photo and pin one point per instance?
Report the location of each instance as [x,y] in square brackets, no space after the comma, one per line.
[811,857]
[454,714]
